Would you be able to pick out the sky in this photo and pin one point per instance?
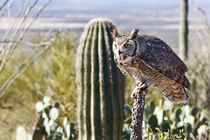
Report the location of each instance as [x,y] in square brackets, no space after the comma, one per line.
[117,3]
[110,2]
[66,3]
[153,16]
[128,4]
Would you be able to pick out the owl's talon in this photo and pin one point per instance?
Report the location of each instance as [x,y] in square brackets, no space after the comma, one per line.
[142,86]
[133,94]
[138,88]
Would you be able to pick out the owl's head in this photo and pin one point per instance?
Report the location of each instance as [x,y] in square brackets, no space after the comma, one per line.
[125,46]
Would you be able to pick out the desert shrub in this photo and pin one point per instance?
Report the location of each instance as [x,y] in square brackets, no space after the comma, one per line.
[17,104]
[52,74]
[60,74]
[199,69]
[199,66]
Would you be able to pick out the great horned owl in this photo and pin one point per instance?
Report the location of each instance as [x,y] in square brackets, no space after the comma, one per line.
[151,61]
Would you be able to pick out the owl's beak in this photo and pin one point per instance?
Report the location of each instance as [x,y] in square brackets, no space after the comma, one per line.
[120,52]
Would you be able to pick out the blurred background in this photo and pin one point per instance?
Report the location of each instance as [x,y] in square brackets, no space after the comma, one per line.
[38,44]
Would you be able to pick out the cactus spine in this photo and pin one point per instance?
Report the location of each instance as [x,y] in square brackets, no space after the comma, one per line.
[100,83]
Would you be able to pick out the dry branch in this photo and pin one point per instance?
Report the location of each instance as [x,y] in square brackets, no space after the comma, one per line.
[14,36]
[4,4]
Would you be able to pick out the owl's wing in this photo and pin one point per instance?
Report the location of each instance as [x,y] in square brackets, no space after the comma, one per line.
[159,56]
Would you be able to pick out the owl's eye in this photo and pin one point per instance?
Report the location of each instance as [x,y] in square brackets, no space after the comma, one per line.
[127,45]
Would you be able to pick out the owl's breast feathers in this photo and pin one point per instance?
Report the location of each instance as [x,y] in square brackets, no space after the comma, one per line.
[160,57]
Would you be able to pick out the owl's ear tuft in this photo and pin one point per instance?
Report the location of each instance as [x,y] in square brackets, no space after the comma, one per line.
[133,34]
[114,33]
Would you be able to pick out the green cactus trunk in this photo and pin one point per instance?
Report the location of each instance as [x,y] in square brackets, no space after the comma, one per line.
[183,37]
[100,84]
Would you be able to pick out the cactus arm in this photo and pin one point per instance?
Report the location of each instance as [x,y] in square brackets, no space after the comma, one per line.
[183,33]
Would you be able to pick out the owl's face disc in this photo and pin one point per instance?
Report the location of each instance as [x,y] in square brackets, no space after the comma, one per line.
[124,49]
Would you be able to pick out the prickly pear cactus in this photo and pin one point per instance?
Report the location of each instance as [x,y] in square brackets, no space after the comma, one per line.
[100,84]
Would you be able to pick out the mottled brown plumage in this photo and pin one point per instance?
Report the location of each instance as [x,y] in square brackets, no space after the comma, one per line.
[150,60]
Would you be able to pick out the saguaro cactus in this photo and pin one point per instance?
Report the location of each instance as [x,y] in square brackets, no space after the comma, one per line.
[183,35]
[100,82]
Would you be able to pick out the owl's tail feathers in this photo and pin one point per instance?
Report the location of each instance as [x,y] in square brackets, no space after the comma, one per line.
[176,94]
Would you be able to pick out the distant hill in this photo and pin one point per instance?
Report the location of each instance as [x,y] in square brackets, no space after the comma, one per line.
[157,17]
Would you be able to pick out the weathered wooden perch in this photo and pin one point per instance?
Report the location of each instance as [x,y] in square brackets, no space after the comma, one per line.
[137,113]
